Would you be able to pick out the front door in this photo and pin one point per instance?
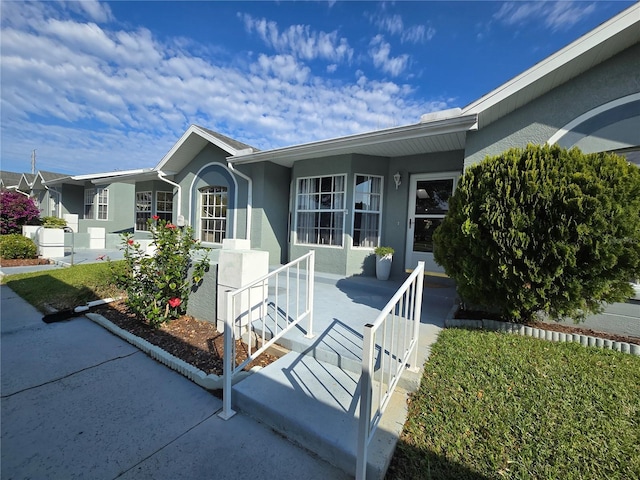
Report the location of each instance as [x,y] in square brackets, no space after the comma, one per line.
[428,204]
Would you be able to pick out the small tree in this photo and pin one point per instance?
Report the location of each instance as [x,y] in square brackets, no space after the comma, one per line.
[16,210]
[158,285]
[543,229]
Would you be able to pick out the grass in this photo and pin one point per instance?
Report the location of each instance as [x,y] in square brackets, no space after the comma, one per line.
[499,406]
[64,288]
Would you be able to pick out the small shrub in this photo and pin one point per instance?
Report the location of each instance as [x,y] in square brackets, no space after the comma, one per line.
[158,286]
[383,251]
[53,222]
[543,229]
[17,246]
[16,210]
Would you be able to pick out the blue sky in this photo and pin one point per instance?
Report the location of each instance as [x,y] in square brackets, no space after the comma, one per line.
[102,86]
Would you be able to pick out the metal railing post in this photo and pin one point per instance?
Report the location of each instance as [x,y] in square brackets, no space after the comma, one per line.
[310,286]
[416,316]
[228,358]
[366,389]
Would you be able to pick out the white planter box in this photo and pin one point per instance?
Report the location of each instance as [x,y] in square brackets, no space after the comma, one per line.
[383,267]
[51,242]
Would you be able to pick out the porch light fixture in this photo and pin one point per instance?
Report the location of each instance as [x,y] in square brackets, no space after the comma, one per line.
[398,179]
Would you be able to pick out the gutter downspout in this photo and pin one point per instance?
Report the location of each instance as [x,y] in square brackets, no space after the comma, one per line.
[249,197]
[164,179]
[58,194]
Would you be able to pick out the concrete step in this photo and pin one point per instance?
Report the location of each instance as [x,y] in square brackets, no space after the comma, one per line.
[315,405]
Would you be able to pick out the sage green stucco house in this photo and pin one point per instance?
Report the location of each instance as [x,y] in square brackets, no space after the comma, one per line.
[344,196]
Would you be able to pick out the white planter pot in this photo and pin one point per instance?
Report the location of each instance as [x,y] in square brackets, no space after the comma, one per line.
[383,267]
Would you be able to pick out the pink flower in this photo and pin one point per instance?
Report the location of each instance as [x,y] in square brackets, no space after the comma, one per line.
[156,217]
[130,241]
[101,257]
[174,302]
[170,225]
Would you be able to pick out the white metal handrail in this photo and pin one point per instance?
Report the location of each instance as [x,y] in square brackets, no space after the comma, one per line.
[389,342]
[254,308]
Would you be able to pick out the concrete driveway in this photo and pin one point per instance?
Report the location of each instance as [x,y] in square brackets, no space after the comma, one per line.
[77,401]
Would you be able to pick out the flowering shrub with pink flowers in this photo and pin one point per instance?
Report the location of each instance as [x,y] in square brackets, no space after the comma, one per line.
[158,285]
[16,210]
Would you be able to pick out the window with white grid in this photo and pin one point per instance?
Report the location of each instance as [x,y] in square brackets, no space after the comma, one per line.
[320,211]
[367,210]
[213,214]
[143,210]
[164,205]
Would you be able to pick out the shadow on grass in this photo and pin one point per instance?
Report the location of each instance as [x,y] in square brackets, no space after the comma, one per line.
[46,291]
[414,463]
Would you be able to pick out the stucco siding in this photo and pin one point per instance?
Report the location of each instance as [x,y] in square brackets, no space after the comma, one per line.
[396,208]
[538,121]
[270,209]
[121,214]
[209,168]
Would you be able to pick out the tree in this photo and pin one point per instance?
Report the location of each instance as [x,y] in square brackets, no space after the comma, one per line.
[16,210]
[543,229]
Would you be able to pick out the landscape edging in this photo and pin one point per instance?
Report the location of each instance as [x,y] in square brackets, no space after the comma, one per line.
[550,335]
[208,381]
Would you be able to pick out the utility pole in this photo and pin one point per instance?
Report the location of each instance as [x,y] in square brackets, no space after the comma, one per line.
[33,162]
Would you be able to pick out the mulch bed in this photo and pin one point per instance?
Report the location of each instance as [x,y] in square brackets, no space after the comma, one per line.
[21,262]
[554,327]
[194,341]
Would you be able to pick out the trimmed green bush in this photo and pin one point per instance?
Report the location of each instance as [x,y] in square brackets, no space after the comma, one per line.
[543,229]
[17,246]
[53,222]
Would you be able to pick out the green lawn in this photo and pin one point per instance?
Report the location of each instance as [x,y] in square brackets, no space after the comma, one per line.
[500,406]
[65,287]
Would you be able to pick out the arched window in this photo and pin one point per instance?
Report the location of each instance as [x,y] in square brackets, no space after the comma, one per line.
[213,214]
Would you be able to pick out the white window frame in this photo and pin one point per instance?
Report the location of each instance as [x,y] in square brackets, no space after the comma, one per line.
[163,213]
[318,210]
[211,190]
[148,201]
[366,212]
[97,199]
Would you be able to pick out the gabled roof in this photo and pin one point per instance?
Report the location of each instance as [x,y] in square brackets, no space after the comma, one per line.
[600,44]
[192,142]
[9,179]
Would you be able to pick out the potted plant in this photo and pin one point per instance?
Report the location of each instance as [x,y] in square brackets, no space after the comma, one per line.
[384,256]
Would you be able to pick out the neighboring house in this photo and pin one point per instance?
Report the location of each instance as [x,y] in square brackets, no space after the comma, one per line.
[342,197]
[9,180]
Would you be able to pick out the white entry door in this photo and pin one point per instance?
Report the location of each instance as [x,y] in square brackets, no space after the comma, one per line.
[428,204]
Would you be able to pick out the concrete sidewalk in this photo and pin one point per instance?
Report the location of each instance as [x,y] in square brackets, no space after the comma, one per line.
[77,401]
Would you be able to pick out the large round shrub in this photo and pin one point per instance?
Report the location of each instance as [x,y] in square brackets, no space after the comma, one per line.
[16,210]
[17,246]
[543,229]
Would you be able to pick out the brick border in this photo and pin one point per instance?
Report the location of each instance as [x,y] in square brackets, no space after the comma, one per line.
[208,381]
[518,329]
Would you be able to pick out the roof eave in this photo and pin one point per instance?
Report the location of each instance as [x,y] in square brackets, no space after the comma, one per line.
[323,147]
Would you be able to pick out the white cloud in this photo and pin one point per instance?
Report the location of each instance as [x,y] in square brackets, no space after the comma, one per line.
[300,40]
[380,52]
[555,15]
[394,25]
[90,98]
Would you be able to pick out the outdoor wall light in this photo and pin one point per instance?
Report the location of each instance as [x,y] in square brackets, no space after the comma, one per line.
[398,179]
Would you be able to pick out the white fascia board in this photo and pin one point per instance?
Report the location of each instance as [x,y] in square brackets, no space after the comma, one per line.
[193,129]
[407,132]
[592,39]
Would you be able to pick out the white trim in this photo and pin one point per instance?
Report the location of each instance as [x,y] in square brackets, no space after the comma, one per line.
[409,231]
[162,176]
[353,209]
[204,135]
[569,127]
[341,144]
[590,41]
[235,198]
[345,211]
